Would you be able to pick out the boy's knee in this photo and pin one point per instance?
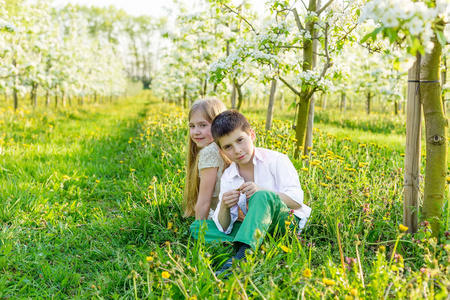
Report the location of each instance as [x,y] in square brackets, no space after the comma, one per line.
[264,197]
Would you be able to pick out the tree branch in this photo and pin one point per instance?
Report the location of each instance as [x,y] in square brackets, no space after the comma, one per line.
[324,7]
[242,18]
[289,86]
[297,20]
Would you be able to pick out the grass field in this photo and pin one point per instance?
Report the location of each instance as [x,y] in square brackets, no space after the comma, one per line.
[91,208]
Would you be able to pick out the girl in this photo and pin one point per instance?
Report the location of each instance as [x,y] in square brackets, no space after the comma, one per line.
[205,165]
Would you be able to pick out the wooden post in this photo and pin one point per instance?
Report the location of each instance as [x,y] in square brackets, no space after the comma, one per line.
[273,88]
[412,151]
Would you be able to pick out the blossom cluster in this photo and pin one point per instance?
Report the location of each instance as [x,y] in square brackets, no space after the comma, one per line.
[407,17]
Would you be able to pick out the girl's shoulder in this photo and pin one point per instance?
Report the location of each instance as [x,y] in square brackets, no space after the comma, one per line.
[210,149]
[210,157]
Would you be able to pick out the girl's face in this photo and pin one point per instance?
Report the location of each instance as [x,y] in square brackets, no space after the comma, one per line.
[200,130]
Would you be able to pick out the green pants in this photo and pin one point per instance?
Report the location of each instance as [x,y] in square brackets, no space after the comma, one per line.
[266,212]
[211,233]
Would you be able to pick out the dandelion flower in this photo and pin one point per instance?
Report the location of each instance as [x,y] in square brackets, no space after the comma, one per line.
[149,258]
[328,282]
[285,249]
[402,228]
[165,275]
[307,273]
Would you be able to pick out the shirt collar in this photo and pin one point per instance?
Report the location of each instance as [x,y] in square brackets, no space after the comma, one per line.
[258,156]
[234,167]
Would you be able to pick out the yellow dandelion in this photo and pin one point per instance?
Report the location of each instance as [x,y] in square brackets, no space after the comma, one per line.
[328,282]
[169,225]
[354,292]
[402,228]
[304,169]
[324,184]
[287,223]
[149,258]
[307,273]
[285,249]
[96,180]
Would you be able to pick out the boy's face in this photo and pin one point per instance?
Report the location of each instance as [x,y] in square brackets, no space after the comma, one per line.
[238,146]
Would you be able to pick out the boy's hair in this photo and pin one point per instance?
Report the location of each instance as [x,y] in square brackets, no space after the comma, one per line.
[228,121]
[209,108]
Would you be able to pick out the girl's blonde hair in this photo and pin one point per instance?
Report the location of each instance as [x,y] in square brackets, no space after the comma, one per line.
[209,108]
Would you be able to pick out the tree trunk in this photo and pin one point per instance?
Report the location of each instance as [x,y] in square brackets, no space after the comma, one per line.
[309,127]
[436,138]
[302,117]
[47,98]
[33,95]
[15,97]
[63,97]
[369,96]
[270,108]
[184,98]
[412,150]
[281,99]
[324,101]
[310,124]
[443,79]
[396,107]
[233,96]
[240,96]
[343,101]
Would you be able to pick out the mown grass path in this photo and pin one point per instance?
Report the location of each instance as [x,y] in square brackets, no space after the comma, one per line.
[71,180]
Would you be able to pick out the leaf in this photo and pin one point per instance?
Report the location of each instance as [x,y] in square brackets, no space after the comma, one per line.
[391,34]
[372,35]
[441,38]
[396,64]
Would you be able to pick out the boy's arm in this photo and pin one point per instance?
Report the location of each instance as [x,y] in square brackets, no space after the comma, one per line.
[249,188]
[286,177]
[229,200]
[225,215]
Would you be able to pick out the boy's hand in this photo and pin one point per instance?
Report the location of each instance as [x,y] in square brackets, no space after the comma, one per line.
[249,188]
[230,198]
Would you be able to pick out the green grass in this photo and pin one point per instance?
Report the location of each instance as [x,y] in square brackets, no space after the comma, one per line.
[91,208]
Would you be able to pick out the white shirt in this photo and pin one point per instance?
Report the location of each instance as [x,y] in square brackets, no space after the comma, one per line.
[272,171]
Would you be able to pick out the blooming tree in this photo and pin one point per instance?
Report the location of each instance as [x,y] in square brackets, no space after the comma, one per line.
[283,49]
[51,51]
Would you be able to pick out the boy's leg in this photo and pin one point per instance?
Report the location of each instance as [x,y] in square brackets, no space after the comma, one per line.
[212,234]
[266,211]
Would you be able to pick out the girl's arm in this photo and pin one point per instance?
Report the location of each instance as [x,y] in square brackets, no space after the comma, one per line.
[206,189]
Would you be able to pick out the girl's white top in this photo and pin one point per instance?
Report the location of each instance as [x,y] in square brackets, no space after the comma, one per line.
[209,157]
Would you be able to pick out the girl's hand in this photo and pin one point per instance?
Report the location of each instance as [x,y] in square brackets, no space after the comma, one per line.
[249,188]
[230,198]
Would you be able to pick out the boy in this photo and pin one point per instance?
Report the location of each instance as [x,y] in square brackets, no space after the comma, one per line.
[260,187]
